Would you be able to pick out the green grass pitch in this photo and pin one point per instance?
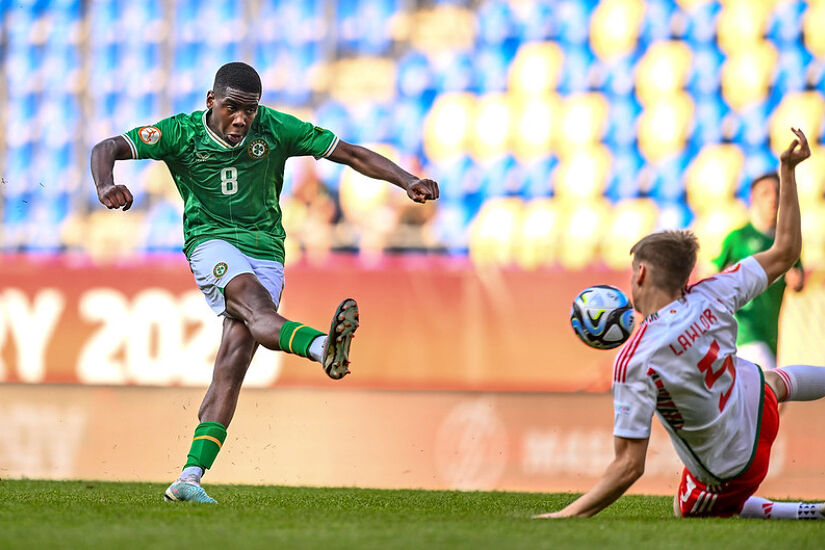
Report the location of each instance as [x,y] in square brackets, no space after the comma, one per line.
[122,516]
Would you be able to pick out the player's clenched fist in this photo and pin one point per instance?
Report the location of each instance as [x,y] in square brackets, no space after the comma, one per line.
[423,190]
[115,196]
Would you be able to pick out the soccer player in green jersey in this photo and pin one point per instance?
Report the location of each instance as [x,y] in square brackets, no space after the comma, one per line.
[228,165]
[759,319]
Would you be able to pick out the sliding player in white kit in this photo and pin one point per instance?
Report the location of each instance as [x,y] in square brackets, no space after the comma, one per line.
[719,410]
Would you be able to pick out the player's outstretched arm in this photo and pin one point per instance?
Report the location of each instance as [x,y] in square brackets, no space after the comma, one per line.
[627,466]
[373,165]
[787,245]
[104,155]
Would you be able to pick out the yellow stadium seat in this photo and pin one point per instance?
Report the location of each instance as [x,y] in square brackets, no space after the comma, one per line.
[813,236]
[361,197]
[812,25]
[628,221]
[662,71]
[583,122]
[664,125]
[614,27]
[747,74]
[742,23]
[495,231]
[490,137]
[810,178]
[448,126]
[536,68]
[713,176]
[583,224]
[804,110]
[535,125]
[712,226]
[538,237]
[583,174]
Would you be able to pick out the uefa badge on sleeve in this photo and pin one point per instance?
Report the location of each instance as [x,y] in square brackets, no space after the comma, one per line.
[257,149]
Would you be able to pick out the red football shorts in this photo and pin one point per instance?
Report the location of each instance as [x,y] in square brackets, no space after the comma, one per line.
[726,499]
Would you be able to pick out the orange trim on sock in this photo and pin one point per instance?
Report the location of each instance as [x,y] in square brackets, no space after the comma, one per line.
[292,337]
[210,438]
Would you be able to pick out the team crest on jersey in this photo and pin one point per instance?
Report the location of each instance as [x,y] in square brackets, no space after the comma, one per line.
[201,157]
[149,135]
[257,149]
[220,269]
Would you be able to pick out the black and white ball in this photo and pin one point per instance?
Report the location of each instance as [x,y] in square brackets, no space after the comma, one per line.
[602,317]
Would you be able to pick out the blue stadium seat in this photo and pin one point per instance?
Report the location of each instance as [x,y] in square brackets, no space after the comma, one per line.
[785,26]
[621,125]
[458,73]
[758,160]
[492,64]
[792,69]
[364,25]
[538,181]
[416,77]
[658,21]
[576,73]
[710,112]
[624,179]
[705,77]
[573,19]
[666,183]
[496,22]
[701,23]
[408,121]
[537,21]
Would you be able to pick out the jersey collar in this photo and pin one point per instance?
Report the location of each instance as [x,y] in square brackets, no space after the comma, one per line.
[219,140]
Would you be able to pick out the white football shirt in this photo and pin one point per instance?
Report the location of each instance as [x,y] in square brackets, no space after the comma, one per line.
[682,364]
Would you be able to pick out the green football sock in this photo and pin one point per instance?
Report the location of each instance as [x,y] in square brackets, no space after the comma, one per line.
[208,440]
[296,338]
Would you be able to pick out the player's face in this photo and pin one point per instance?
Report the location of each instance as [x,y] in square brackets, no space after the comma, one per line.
[765,198]
[232,113]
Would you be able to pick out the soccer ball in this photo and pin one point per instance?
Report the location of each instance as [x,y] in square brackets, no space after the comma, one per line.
[602,317]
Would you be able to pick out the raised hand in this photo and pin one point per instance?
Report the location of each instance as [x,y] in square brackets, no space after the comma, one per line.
[797,151]
[423,190]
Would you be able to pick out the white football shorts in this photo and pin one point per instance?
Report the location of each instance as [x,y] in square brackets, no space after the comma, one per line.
[214,263]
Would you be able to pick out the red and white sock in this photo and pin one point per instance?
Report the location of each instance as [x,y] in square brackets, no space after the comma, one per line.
[803,382]
[762,508]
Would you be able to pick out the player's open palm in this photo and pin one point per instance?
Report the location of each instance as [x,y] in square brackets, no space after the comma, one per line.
[797,151]
[115,196]
[423,190]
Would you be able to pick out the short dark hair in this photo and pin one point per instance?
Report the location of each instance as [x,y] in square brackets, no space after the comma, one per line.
[670,254]
[762,177]
[239,76]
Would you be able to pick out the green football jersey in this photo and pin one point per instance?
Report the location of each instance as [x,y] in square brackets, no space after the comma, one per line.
[231,193]
[758,319]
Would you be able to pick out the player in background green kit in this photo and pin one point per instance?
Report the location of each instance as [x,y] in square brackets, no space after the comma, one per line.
[228,165]
[759,319]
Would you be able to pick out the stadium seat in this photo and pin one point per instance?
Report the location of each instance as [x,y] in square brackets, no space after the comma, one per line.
[748,73]
[536,68]
[582,229]
[494,232]
[535,125]
[713,177]
[583,174]
[491,127]
[614,27]
[628,221]
[663,126]
[741,24]
[537,239]
[812,23]
[662,71]
[448,126]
